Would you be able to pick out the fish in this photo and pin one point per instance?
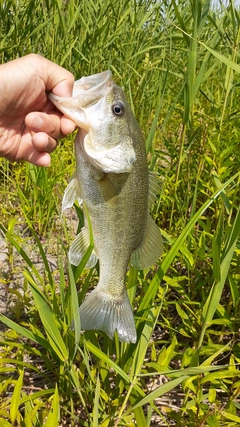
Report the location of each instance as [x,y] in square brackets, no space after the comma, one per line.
[115,189]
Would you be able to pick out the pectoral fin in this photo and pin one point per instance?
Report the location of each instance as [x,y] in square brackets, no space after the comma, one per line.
[150,249]
[71,194]
[78,249]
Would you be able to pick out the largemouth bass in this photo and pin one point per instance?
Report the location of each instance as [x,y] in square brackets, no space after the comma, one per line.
[112,181]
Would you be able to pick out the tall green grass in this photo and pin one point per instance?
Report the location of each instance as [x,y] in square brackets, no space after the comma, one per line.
[178,64]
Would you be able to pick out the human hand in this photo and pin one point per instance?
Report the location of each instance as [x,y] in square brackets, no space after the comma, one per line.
[29,122]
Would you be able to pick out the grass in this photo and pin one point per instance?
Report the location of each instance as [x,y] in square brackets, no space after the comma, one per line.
[178,64]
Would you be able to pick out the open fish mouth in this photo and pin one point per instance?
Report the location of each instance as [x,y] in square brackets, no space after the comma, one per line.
[97,83]
[87,91]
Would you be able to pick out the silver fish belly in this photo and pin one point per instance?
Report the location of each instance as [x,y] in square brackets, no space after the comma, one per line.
[112,180]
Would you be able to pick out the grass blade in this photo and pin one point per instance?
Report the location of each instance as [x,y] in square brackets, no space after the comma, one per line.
[102,356]
[159,391]
[49,321]
[217,288]
[96,404]
[15,401]
[25,332]
[150,294]
[53,417]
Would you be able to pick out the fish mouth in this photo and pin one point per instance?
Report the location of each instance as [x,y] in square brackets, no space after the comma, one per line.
[90,85]
[87,91]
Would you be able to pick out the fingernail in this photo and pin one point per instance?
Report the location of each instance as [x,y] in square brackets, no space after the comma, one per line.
[37,122]
[72,129]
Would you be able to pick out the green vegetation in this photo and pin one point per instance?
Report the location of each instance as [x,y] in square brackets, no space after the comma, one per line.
[178,64]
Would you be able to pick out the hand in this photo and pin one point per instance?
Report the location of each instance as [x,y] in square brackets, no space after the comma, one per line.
[29,123]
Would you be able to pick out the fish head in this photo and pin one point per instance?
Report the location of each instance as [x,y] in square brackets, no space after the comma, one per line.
[107,125]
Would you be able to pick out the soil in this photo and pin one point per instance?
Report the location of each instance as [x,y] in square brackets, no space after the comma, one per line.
[12,263]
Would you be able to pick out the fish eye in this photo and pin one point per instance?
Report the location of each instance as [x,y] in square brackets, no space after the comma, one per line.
[118,109]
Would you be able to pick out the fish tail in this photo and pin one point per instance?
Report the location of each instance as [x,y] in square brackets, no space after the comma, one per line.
[108,315]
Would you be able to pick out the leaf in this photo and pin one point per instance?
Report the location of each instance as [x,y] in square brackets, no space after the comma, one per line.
[159,391]
[4,423]
[25,332]
[231,417]
[231,64]
[49,321]
[96,404]
[150,137]
[153,287]
[176,373]
[15,400]
[36,395]
[216,248]
[217,288]
[102,356]
[75,310]
[53,416]
[221,374]
[21,251]
[27,418]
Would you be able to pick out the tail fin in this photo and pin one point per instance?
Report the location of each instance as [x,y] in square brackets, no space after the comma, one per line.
[99,312]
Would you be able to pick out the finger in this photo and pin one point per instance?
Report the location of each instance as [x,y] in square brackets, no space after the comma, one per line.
[43,142]
[47,123]
[67,125]
[57,79]
[51,124]
[38,159]
[32,155]
[34,148]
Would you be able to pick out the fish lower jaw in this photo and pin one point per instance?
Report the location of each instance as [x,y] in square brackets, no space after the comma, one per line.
[99,312]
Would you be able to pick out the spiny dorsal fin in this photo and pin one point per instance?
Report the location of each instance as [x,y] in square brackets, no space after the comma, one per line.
[150,249]
[71,194]
[79,247]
